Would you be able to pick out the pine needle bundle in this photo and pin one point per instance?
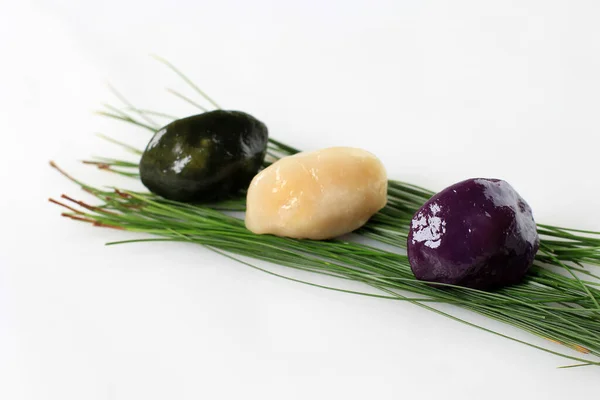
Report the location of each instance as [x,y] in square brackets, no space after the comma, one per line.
[559,300]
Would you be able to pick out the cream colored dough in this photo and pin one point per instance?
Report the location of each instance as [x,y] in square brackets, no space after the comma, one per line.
[317,195]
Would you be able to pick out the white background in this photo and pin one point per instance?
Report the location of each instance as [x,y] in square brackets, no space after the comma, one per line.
[440,91]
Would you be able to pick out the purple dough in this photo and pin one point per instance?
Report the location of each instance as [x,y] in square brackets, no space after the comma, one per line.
[477,233]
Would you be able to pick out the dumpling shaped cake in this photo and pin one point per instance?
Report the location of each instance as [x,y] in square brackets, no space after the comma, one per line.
[317,195]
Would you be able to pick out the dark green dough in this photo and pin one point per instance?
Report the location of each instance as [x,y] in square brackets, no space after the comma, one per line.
[205,157]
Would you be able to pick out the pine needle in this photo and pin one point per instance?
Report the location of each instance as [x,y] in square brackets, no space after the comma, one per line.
[561,308]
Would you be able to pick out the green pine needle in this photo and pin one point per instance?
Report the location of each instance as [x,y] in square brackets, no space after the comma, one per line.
[554,302]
